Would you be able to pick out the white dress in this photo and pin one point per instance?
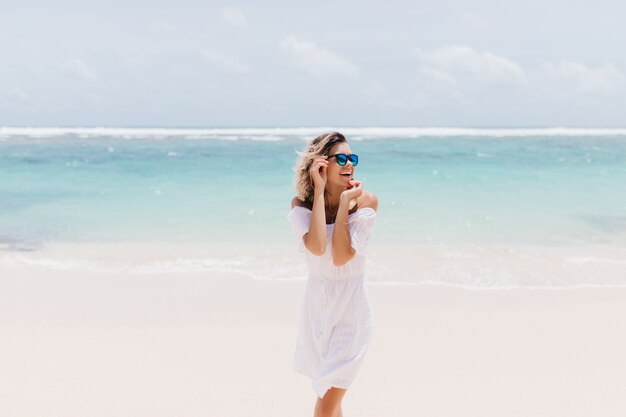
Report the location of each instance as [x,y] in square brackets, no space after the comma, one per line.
[335,327]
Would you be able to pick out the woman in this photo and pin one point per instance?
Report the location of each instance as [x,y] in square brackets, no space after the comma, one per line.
[333,217]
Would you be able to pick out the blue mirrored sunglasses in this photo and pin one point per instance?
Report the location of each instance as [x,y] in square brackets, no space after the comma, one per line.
[342,158]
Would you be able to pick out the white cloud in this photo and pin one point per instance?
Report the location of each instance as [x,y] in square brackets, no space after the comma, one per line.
[595,80]
[80,69]
[473,20]
[439,75]
[233,16]
[316,60]
[450,61]
[228,63]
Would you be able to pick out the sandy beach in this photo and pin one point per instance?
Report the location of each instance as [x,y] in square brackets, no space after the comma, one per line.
[77,343]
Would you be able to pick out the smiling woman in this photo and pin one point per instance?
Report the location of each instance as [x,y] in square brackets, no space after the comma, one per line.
[332,211]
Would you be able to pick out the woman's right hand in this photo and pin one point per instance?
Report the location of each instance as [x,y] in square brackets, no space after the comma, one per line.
[317,171]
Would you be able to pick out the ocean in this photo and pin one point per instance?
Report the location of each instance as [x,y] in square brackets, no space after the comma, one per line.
[456,191]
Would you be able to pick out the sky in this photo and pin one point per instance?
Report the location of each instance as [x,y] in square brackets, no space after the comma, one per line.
[289,64]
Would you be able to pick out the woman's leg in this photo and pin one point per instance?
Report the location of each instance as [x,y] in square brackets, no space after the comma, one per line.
[330,405]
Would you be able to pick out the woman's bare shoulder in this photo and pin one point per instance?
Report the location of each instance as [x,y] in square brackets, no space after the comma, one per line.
[296,202]
[368,199]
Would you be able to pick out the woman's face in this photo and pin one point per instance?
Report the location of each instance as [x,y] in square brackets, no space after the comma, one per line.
[334,170]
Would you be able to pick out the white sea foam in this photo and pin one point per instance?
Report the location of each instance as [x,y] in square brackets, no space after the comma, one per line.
[591,260]
[304,133]
[244,265]
[477,269]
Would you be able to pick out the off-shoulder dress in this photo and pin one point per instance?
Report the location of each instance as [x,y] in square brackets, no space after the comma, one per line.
[335,325]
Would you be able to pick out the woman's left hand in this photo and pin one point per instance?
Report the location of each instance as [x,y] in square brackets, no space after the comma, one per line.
[354,191]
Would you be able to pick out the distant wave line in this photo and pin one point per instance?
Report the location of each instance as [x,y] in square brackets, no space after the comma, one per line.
[280,133]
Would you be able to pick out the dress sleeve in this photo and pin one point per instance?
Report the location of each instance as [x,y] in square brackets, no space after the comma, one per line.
[361,225]
[300,218]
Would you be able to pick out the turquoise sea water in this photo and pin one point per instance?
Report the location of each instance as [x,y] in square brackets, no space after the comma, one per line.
[517,187]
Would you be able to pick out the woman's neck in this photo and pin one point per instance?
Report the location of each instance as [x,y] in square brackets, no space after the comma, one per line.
[332,196]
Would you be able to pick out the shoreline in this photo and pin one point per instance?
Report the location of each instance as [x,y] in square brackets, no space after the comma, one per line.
[464,266]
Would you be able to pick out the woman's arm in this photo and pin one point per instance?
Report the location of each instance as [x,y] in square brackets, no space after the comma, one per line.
[343,251]
[315,239]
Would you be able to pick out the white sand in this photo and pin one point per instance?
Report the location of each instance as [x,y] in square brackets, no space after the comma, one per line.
[195,344]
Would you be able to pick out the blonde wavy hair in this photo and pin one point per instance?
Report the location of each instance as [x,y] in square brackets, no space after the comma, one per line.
[317,147]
